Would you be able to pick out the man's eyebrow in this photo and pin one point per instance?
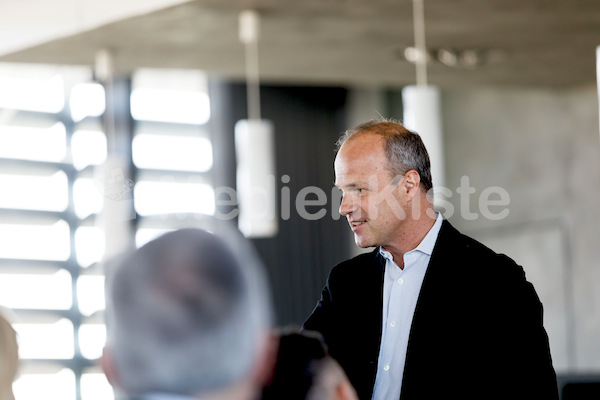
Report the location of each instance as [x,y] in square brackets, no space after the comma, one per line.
[352,185]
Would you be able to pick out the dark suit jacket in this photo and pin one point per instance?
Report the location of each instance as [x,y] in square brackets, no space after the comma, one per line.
[477,330]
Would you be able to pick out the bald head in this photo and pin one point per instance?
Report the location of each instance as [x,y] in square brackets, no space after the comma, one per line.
[404,149]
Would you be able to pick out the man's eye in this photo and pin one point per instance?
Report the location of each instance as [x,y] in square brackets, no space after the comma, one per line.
[361,190]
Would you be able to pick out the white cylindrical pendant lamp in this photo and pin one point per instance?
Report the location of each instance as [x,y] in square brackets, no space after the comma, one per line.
[255,151]
[422,114]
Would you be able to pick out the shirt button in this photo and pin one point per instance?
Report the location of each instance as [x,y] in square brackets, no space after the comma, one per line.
[386,367]
[393,324]
[400,281]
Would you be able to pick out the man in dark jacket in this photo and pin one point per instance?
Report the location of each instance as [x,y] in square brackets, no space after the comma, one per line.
[430,313]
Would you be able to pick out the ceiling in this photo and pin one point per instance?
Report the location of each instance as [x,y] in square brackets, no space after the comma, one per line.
[548,43]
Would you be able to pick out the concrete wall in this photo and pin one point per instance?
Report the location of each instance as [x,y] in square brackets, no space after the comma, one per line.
[543,148]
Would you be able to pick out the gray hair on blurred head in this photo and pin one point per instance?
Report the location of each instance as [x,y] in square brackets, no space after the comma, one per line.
[186,313]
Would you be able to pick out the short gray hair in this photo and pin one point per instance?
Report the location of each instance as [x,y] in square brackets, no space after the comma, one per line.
[403,148]
[186,313]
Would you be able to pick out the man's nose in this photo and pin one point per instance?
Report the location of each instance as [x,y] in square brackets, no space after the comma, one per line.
[348,205]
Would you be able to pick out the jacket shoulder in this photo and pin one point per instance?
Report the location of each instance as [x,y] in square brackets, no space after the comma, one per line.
[474,254]
[357,264]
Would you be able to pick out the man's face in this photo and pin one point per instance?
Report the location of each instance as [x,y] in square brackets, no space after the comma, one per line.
[373,201]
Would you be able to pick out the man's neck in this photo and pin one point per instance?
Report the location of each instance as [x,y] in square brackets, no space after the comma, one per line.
[412,236]
[241,391]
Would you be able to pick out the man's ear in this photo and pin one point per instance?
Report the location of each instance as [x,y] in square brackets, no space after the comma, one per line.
[412,183]
[108,366]
[264,369]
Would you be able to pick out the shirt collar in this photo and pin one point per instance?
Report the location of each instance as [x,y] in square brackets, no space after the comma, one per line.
[427,244]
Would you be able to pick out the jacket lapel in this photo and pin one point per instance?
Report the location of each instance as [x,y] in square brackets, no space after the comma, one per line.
[434,292]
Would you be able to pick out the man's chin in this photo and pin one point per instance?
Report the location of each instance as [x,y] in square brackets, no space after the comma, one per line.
[362,242]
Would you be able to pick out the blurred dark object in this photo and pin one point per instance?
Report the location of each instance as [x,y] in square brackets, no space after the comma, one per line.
[579,387]
[296,370]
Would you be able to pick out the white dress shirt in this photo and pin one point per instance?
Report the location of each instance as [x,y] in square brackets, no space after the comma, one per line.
[400,293]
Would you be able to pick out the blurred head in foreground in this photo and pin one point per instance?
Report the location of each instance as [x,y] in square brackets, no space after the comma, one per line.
[305,371]
[9,358]
[188,314]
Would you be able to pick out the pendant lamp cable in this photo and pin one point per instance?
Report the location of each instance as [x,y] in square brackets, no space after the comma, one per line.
[419,32]
[249,32]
